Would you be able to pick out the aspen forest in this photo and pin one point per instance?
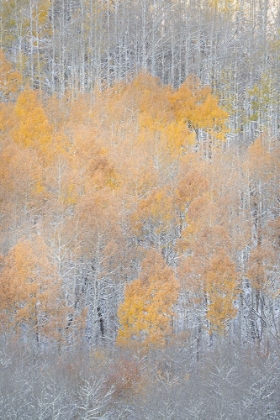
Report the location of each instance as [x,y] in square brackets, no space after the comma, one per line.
[139,209]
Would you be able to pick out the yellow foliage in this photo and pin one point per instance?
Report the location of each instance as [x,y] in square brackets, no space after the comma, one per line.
[32,129]
[147,310]
[30,289]
[41,13]
[178,135]
[221,290]
[195,106]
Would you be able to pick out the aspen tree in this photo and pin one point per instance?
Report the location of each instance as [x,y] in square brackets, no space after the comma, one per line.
[146,314]
[30,292]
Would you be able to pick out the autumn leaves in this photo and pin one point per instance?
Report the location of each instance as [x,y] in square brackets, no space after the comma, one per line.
[171,124]
[31,295]
[126,213]
[147,311]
